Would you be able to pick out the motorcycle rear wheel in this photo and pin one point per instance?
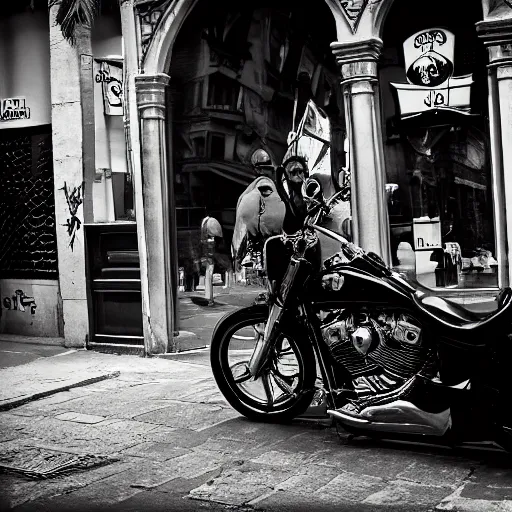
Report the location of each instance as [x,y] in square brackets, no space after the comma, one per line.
[286,388]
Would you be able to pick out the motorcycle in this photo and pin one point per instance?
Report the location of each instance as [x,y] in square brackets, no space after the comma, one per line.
[389,357]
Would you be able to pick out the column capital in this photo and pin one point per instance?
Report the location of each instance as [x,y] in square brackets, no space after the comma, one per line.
[497,37]
[151,95]
[358,59]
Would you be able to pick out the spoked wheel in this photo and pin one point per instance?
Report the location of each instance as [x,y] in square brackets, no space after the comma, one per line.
[286,386]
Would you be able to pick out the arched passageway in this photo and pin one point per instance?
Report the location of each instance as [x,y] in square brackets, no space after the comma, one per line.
[241,79]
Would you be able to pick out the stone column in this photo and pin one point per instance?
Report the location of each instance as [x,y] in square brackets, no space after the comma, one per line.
[67,67]
[497,37]
[151,103]
[358,64]
[132,131]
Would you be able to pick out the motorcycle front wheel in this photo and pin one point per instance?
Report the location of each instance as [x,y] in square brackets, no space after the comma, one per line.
[286,386]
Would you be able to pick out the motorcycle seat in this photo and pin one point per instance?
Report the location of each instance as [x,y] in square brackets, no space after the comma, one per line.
[451,311]
[454,320]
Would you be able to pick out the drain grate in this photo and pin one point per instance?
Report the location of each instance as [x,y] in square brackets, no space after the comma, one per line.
[43,463]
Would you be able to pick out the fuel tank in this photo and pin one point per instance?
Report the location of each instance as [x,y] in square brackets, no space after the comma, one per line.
[354,284]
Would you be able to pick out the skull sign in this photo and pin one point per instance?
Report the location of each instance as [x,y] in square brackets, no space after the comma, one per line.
[429,57]
[430,70]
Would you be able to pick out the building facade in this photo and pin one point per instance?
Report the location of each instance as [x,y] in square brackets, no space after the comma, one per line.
[177,102]
[29,284]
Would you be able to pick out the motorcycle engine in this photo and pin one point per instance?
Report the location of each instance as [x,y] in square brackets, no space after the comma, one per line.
[367,342]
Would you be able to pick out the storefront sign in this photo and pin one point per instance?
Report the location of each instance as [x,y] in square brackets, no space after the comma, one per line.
[110,76]
[14,108]
[429,68]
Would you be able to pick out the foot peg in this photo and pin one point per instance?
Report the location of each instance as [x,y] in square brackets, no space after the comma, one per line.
[398,416]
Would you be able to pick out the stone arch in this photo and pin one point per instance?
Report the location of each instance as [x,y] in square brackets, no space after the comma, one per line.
[379,14]
[363,25]
[158,56]
[161,23]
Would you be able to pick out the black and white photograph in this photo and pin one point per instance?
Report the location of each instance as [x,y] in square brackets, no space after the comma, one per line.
[254,255]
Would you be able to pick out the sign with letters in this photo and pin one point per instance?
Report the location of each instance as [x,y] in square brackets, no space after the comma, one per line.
[110,76]
[429,56]
[12,109]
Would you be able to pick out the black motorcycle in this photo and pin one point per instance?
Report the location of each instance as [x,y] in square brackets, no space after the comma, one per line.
[390,358]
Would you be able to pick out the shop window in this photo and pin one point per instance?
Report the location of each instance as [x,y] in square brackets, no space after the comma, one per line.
[223,92]
[438,166]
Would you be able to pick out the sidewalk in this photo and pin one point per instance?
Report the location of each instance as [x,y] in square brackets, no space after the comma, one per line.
[197,318]
[157,435]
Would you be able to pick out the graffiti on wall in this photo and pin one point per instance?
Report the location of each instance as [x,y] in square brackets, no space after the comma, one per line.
[353,10]
[74,198]
[19,301]
[14,108]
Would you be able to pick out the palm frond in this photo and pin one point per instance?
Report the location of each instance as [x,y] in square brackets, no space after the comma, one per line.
[73,13]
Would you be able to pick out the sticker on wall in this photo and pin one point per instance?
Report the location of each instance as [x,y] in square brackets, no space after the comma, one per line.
[353,10]
[12,109]
[19,301]
[429,62]
[110,76]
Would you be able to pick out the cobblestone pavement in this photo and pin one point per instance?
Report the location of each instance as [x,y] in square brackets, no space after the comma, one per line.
[170,442]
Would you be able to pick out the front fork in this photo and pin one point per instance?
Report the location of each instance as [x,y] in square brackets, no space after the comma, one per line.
[296,276]
[266,342]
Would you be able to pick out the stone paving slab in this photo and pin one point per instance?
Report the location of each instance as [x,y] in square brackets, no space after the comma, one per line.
[402,492]
[455,502]
[80,418]
[240,485]
[349,486]
[107,437]
[291,502]
[163,502]
[182,415]
[156,451]
[178,437]
[100,406]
